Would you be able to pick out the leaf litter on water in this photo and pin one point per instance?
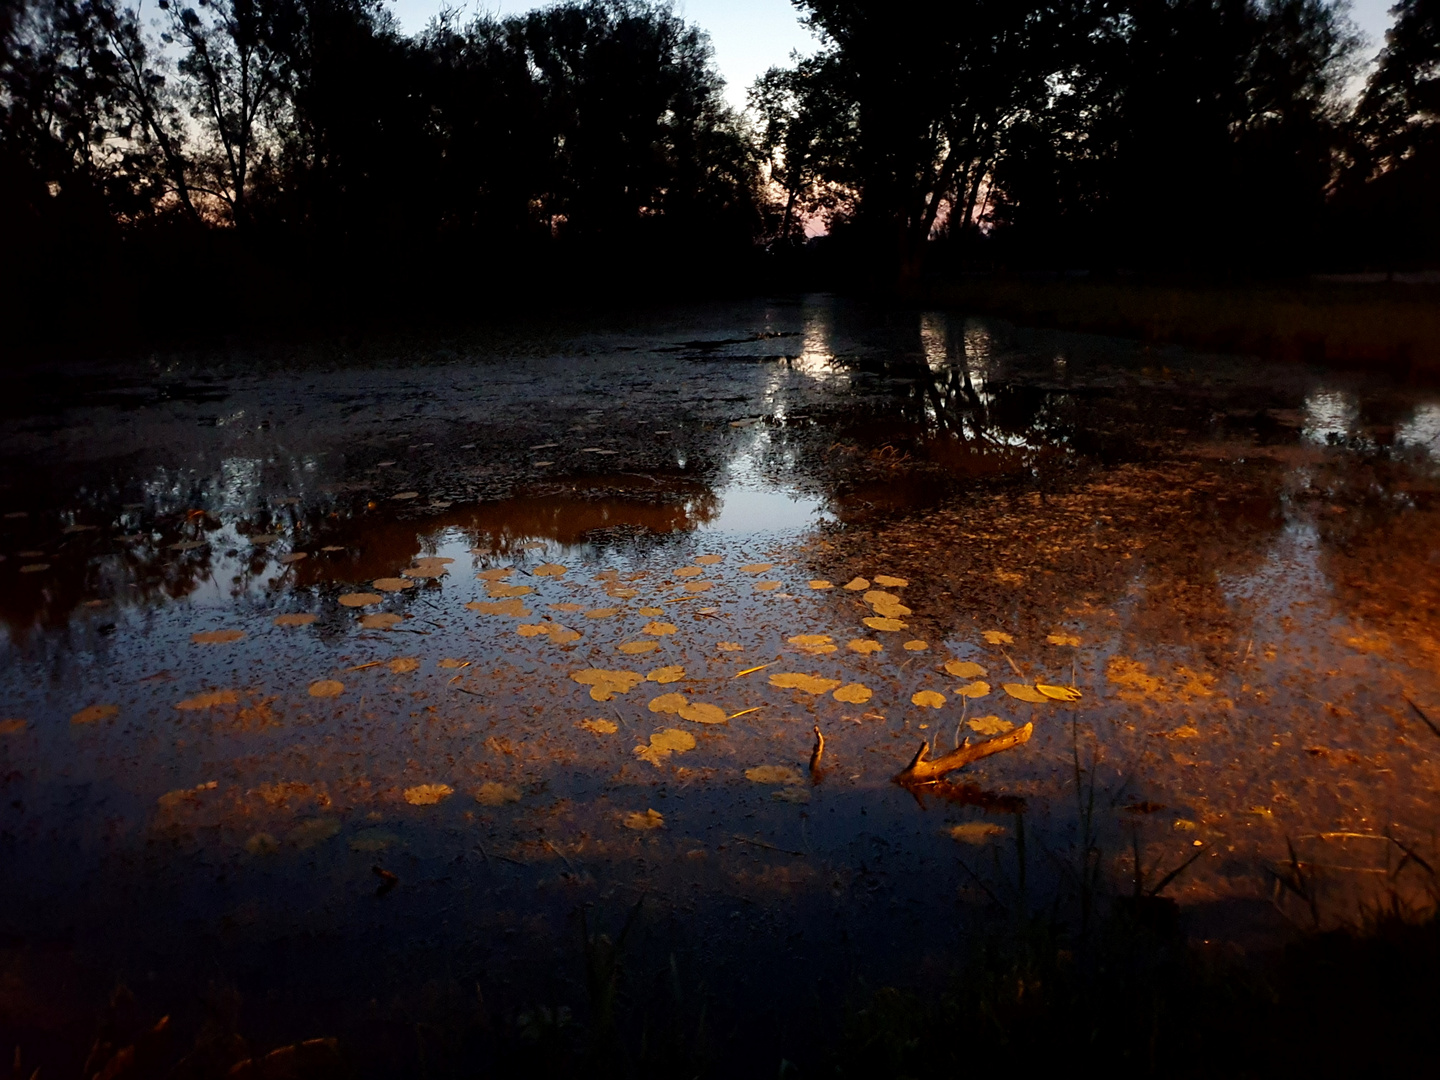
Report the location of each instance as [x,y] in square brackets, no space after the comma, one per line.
[756,568]
[599,726]
[976,689]
[380,621]
[650,819]
[92,714]
[659,629]
[998,637]
[709,560]
[216,637]
[881,623]
[663,675]
[663,744]
[853,694]
[819,584]
[392,584]
[810,684]
[864,646]
[1063,639]
[209,700]
[428,794]
[326,688]
[890,582]
[359,599]
[1026,692]
[688,571]
[928,699]
[990,725]
[976,832]
[858,584]
[549,569]
[773,774]
[1058,693]
[916,646]
[635,648]
[494,793]
[964,669]
[294,620]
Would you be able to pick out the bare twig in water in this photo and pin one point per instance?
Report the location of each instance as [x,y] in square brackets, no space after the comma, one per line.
[921,771]
[768,847]
[817,753]
[1421,713]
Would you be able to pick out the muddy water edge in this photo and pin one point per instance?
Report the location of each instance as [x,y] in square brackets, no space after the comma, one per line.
[360,683]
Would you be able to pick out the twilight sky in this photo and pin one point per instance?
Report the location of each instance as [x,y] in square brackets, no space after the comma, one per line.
[752,35]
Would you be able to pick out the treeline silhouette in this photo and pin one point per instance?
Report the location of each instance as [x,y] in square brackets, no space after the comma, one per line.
[229,158]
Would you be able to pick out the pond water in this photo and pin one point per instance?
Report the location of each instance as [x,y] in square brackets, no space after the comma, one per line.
[341,680]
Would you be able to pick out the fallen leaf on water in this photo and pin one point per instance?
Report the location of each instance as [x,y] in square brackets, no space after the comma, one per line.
[500,589]
[891,611]
[533,629]
[651,612]
[261,539]
[998,637]
[315,831]
[1025,692]
[820,583]
[293,557]
[450,662]
[403,664]
[327,688]
[756,568]
[773,774]
[1063,639]
[380,621]
[709,560]
[94,713]
[688,571]
[698,586]
[13,726]
[599,727]
[853,693]
[425,570]
[210,699]
[668,703]
[514,608]
[977,689]
[34,568]
[494,793]
[1185,732]
[659,629]
[217,637]
[664,743]
[666,674]
[609,682]
[403,496]
[635,648]
[730,646]
[810,640]
[976,832]
[916,646]
[360,599]
[650,819]
[810,684]
[890,582]
[549,569]
[864,646]
[428,794]
[791,794]
[880,623]
[393,584]
[602,612]
[331,548]
[767,586]
[294,620]
[858,584]
[1261,811]
[928,699]
[495,574]
[700,712]
[990,725]
[1058,693]
[562,635]
[964,669]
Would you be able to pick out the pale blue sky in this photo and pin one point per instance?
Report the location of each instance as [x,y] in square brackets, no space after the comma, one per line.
[752,35]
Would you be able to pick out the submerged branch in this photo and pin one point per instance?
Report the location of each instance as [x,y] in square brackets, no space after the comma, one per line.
[922,771]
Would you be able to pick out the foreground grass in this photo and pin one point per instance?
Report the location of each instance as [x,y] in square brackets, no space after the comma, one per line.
[1392,326]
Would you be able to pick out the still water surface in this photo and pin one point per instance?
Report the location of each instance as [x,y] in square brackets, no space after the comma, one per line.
[279,621]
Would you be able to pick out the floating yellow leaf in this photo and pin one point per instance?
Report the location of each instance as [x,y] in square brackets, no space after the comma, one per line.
[360,599]
[977,689]
[392,584]
[756,568]
[865,646]
[210,700]
[880,623]
[773,774]
[928,699]
[428,794]
[698,586]
[93,713]
[450,663]
[853,693]
[533,629]
[626,594]
[1025,692]
[810,684]
[650,819]
[380,621]
[514,608]
[623,680]
[651,612]
[729,646]
[293,557]
[1185,732]
[548,569]
[875,596]
[1063,639]
[664,743]
[998,637]
[13,726]
[217,637]
[668,703]
[990,725]
[820,583]
[659,629]
[699,712]
[327,688]
[500,589]
[890,582]
[1058,693]
[806,640]
[964,669]
[602,612]
[688,571]
[294,620]
[767,586]
[916,646]
[976,832]
[600,727]
[402,665]
[635,648]
[425,571]
[494,793]
[496,574]
[664,675]
[562,635]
